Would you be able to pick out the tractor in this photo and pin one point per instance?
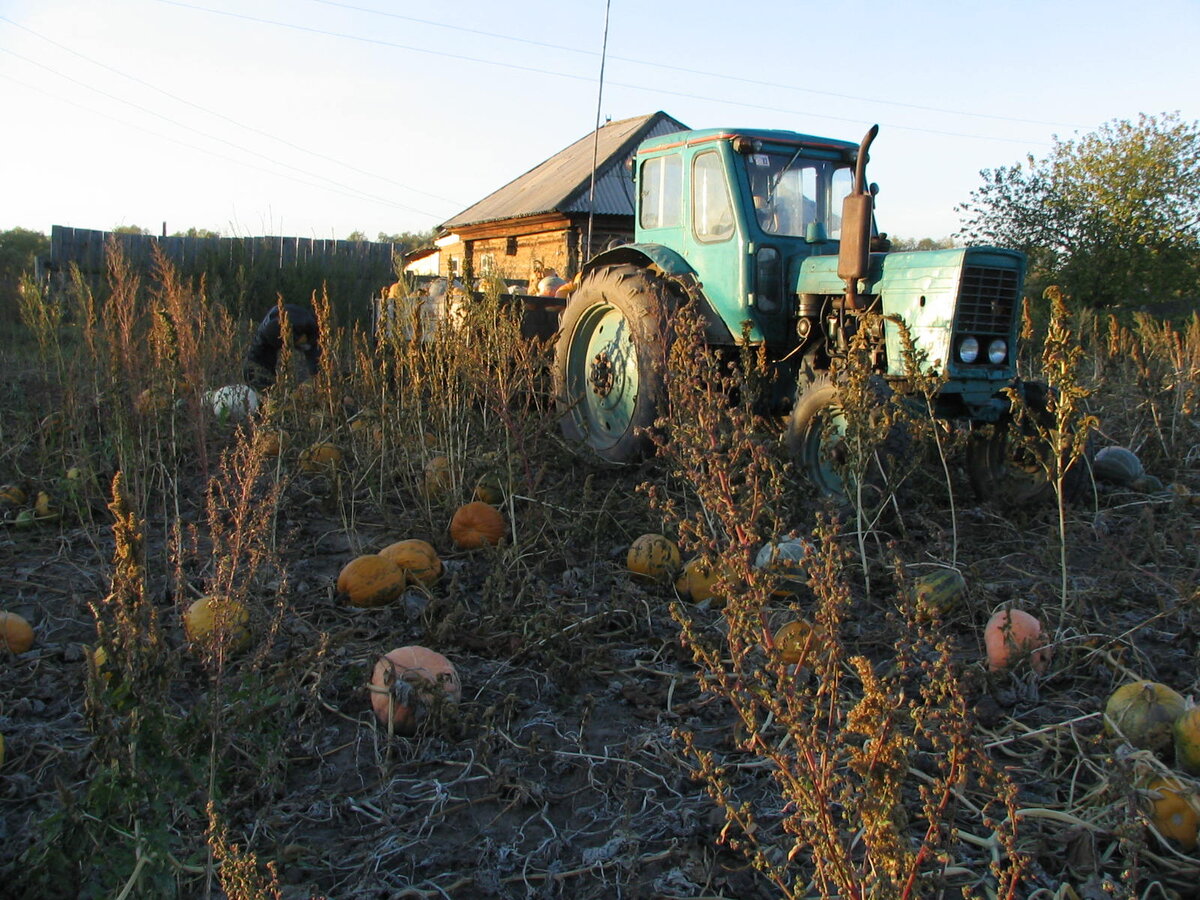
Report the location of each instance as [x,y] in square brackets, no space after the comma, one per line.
[771,234]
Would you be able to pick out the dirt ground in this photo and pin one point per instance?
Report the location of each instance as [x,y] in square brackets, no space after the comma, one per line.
[562,772]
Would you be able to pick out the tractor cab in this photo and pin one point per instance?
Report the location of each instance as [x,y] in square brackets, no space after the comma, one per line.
[741,209]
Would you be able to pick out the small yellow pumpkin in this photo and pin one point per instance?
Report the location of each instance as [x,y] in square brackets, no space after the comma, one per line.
[653,556]
[416,558]
[16,634]
[698,580]
[1144,713]
[477,524]
[211,620]
[370,580]
[1187,741]
[1175,810]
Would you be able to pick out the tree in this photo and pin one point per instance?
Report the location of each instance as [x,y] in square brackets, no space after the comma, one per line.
[1113,217]
[129,229]
[18,248]
[407,241]
[925,243]
[195,232]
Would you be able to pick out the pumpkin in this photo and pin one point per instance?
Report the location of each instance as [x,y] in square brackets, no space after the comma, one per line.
[1117,466]
[320,458]
[407,682]
[1187,741]
[269,443]
[1146,484]
[370,580]
[11,495]
[653,556]
[489,489]
[937,593]
[797,640]
[698,580]
[212,620]
[416,558]
[1012,634]
[437,478]
[477,524]
[234,402]
[1144,713]
[1175,810]
[16,634]
[785,561]
[44,507]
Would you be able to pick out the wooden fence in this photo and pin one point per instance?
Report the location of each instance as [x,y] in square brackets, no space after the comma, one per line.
[249,271]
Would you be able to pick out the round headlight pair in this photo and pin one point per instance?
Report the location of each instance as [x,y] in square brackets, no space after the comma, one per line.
[968,350]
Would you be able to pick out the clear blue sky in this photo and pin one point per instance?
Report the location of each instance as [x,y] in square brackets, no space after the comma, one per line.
[318,118]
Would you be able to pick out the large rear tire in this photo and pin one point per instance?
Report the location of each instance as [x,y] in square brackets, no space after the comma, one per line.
[610,362]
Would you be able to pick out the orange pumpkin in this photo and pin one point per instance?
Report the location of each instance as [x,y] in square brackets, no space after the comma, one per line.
[211,620]
[653,556]
[407,683]
[321,458]
[416,558]
[370,580]
[477,524]
[16,634]
[1175,810]
[1011,635]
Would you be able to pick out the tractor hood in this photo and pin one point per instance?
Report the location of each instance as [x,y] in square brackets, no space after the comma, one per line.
[941,295]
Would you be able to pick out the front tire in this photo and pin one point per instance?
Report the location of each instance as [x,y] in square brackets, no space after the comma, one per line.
[610,362]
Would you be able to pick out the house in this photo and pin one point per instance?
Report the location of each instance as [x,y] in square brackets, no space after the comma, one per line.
[540,221]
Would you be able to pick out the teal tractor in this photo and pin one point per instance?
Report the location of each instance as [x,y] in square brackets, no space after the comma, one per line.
[771,234]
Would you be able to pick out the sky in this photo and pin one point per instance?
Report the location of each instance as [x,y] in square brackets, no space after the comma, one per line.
[316,118]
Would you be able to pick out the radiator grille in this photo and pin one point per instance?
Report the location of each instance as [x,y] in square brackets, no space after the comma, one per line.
[986,301]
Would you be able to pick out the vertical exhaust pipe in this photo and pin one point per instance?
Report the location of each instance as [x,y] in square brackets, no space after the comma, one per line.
[854,253]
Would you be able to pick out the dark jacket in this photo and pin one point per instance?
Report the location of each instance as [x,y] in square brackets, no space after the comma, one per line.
[263,356]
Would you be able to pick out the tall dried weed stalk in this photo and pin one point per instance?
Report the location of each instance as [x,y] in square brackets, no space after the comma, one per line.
[873,765]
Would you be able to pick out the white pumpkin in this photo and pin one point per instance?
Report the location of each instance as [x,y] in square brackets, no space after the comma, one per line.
[233,402]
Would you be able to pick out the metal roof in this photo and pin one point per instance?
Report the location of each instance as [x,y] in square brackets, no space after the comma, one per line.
[563,182]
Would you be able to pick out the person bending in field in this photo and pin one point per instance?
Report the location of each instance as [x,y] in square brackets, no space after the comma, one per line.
[262,358]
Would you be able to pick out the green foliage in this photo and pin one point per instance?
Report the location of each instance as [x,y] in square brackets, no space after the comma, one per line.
[18,248]
[1113,216]
[925,243]
[130,229]
[407,240]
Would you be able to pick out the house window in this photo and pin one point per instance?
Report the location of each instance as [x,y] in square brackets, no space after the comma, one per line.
[487,263]
[660,192]
[510,247]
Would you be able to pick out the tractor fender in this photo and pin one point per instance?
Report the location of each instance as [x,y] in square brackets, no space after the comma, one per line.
[669,265]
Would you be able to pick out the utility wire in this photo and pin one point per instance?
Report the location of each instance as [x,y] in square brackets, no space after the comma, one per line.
[192,146]
[587,78]
[220,115]
[684,69]
[177,124]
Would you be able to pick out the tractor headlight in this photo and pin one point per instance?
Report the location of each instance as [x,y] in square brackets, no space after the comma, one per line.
[998,351]
[968,350]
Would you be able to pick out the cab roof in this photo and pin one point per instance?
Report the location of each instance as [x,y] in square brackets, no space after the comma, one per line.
[767,136]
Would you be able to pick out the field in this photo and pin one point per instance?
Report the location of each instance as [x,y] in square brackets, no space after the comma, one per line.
[613,738]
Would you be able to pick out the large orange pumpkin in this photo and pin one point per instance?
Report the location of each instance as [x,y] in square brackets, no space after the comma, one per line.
[477,524]
[407,683]
[16,634]
[416,558]
[1011,635]
[370,580]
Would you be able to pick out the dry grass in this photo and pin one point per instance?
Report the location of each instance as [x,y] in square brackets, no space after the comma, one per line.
[612,740]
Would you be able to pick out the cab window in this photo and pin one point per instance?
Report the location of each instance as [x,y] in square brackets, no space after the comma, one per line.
[712,209]
[661,192]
